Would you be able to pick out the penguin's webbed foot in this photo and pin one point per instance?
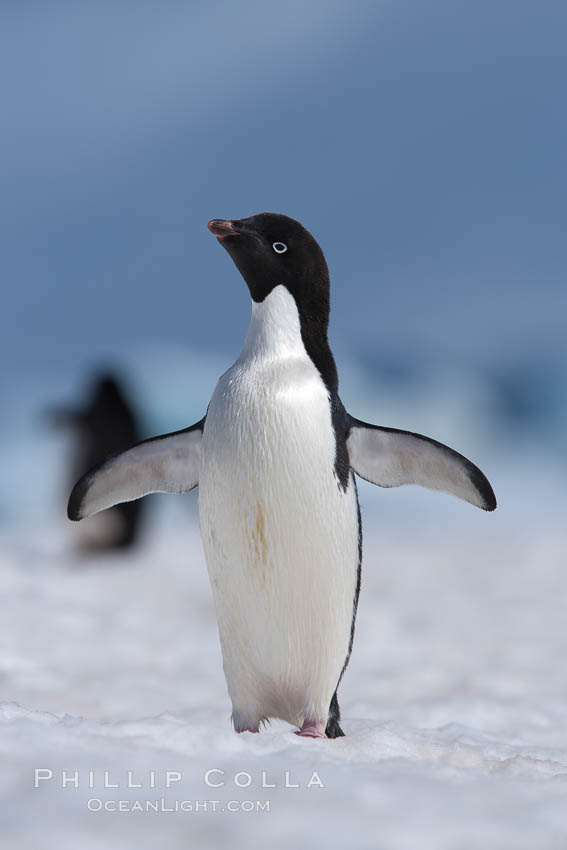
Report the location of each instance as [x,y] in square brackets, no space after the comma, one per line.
[312,729]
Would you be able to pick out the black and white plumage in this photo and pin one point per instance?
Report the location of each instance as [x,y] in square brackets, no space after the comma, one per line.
[275,459]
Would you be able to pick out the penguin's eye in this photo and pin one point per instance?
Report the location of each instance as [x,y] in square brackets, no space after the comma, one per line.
[279,247]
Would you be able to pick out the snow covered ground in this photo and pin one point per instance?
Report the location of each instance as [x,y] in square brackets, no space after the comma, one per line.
[454,705]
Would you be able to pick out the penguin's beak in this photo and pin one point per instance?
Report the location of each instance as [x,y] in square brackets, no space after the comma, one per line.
[221,228]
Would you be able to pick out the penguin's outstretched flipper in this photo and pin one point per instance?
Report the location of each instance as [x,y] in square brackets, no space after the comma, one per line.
[389,458]
[166,464]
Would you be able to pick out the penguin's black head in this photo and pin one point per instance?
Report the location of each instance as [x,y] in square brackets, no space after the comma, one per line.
[271,250]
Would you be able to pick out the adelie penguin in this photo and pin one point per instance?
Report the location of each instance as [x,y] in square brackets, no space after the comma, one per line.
[104,425]
[275,458]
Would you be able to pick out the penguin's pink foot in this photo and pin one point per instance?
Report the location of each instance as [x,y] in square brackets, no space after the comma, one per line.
[312,729]
[248,729]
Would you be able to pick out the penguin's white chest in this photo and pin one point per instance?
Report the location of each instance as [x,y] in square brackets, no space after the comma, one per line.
[280,535]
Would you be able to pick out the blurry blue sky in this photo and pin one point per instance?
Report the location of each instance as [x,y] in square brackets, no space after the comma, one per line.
[422,143]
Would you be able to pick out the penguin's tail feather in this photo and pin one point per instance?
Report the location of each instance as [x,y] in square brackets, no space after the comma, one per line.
[333,729]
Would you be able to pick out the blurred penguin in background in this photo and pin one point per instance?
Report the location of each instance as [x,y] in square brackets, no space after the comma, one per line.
[104,426]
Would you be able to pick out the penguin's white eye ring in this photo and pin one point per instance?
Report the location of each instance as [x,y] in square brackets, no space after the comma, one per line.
[279,247]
